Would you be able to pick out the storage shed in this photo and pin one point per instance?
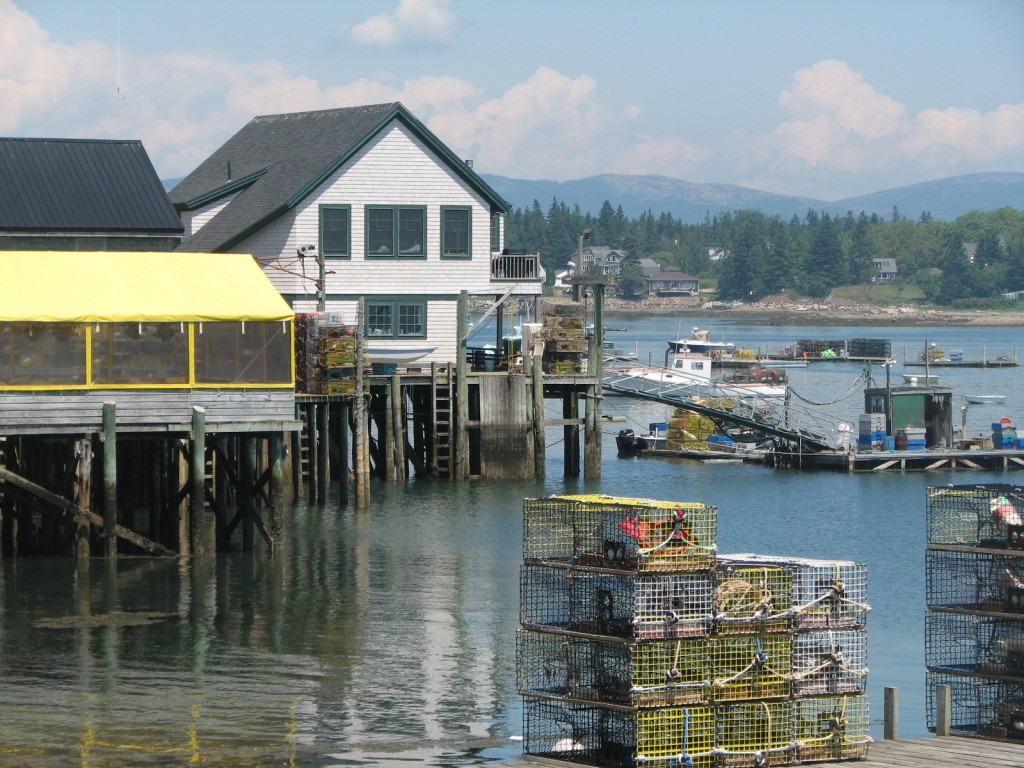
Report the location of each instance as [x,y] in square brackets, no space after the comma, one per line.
[928,408]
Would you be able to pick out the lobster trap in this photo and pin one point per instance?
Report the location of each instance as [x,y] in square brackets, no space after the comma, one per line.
[978,580]
[619,533]
[754,733]
[625,605]
[592,735]
[977,515]
[752,598]
[614,672]
[831,728]
[828,662]
[824,594]
[971,644]
[979,706]
[746,667]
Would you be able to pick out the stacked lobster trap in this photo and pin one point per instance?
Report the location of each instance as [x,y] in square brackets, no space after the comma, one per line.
[325,355]
[974,628]
[640,646]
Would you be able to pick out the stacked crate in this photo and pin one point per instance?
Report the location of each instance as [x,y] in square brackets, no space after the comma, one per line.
[565,338]
[974,629]
[639,647]
[325,355]
[878,348]
[1004,433]
[817,611]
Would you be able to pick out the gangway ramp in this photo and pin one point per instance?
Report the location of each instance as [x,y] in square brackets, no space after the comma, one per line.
[803,428]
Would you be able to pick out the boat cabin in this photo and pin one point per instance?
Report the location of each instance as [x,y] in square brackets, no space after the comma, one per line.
[915,408]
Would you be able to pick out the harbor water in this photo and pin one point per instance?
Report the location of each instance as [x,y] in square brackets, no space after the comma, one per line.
[386,636]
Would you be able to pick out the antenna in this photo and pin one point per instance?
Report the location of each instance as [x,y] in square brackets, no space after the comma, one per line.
[117,89]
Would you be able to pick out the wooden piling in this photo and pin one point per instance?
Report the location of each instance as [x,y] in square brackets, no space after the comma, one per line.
[323,474]
[83,497]
[891,717]
[313,450]
[398,424]
[595,369]
[246,486]
[571,431]
[943,709]
[539,443]
[110,479]
[276,449]
[343,452]
[461,469]
[197,495]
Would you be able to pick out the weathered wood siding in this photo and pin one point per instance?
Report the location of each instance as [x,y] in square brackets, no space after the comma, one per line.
[64,411]
[506,445]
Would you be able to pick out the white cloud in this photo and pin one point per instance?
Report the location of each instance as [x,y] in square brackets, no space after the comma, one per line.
[414,22]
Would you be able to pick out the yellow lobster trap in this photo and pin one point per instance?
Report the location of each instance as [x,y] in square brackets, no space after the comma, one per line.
[831,728]
[754,734]
[744,667]
[620,533]
[752,598]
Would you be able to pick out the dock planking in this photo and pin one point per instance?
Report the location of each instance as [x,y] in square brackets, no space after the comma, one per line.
[930,752]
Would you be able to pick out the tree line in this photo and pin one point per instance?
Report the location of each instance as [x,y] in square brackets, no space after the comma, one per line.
[968,262]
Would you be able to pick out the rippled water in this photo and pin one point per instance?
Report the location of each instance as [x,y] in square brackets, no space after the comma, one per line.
[387,636]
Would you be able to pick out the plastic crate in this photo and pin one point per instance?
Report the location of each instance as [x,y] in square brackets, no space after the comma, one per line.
[977,515]
[624,605]
[825,594]
[619,533]
[831,728]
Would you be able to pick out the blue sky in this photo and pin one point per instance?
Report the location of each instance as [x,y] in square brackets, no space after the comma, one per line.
[821,98]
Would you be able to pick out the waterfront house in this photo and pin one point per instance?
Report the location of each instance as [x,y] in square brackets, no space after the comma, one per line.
[673,282]
[885,270]
[82,195]
[358,203]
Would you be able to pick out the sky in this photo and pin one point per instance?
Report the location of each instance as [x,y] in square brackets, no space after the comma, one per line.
[817,98]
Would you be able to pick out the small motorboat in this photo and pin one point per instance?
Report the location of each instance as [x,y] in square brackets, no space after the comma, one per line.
[984,399]
[700,343]
[921,379]
[396,354]
[693,370]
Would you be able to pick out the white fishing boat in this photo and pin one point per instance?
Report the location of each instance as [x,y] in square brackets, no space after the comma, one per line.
[984,399]
[921,379]
[699,342]
[396,354]
[688,369]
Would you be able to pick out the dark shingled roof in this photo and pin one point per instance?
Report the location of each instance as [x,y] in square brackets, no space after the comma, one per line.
[82,185]
[276,160]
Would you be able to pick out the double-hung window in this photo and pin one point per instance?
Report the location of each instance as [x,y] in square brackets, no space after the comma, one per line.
[495,232]
[455,232]
[396,318]
[335,230]
[396,232]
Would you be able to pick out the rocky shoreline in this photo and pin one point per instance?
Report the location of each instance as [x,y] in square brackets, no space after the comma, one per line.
[774,311]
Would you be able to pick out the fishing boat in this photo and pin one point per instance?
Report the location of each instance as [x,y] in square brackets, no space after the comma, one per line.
[398,354]
[984,399]
[921,379]
[692,369]
[699,342]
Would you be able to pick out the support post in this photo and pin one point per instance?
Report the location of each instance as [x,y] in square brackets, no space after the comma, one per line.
[313,464]
[361,455]
[220,493]
[595,369]
[110,479]
[943,709]
[571,412]
[276,488]
[246,486]
[198,484]
[323,473]
[83,496]
[398,424]
[462,391]
[891,721]
[343,452]
[539,447]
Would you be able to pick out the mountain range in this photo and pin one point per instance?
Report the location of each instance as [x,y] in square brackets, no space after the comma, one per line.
[944,199]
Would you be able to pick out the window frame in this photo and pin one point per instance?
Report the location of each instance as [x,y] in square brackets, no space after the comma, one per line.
[495,232]
[395,305]
[468,252]
[396,231]
[347,252]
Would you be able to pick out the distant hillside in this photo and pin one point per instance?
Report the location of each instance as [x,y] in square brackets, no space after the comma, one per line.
[945,199]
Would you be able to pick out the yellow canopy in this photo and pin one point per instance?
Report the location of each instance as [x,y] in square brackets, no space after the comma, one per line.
[78,286]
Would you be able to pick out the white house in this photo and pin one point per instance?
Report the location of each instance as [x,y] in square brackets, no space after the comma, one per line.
[885,270]
[372,199]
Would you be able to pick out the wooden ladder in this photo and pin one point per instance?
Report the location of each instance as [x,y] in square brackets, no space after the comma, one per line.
[442,450]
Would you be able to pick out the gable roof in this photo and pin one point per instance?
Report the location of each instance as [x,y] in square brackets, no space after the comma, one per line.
[82,185]
[119,286]
[275,161]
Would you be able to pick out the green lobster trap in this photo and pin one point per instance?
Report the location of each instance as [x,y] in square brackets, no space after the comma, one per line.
[977,515]
[626,605]
[754,734]
[979,706]
[619,533]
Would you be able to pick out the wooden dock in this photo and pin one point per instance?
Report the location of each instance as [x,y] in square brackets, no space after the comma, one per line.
[930,459]
[930,752]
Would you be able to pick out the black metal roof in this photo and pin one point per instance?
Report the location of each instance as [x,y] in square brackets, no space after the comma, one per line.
[82,185]
[274,161]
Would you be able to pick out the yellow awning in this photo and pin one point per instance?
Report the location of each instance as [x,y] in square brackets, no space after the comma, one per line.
[78,286]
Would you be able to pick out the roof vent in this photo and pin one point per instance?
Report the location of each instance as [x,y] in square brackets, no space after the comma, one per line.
[469,163]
